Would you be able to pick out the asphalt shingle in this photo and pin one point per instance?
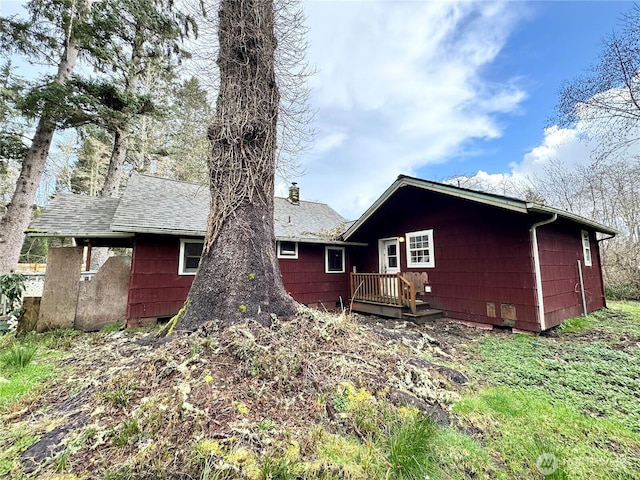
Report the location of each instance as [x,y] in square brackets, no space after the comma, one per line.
[71,215]
[157,205]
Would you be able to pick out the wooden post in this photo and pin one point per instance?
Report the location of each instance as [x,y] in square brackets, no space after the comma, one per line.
[87,266]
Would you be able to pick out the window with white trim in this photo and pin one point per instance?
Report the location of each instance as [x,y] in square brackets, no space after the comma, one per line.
[419,247]
[190,253]
[334,259]
[586,248]
[287,249]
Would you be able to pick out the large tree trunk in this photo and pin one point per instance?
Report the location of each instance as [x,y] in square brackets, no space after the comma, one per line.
[111,188]
[112,179]
[239,277]
[18,214]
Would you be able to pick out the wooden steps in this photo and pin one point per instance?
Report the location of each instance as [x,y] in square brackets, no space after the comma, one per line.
[423,311]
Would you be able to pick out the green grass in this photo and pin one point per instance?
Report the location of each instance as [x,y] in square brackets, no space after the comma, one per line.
[519,424]
[410,448]
[631,308]
[577,324]
[13,441]
[120,394]
[16,385]
[22,370]
[574,394]
[112,327]
[17,356]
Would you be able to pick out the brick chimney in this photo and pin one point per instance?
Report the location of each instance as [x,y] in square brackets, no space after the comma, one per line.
[294,193]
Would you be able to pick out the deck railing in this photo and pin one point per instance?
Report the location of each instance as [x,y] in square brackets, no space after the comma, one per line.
[385,288]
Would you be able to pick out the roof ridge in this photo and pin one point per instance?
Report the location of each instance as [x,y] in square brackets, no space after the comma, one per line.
[464,189]
[156,177]
[304,201]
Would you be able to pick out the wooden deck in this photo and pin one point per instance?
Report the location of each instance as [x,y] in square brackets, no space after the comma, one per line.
[389,295]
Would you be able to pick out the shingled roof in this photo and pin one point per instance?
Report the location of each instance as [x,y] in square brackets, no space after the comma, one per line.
[158,205]
[71,215]
[500,201]
[170,207]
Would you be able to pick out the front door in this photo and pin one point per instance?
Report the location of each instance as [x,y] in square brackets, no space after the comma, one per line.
[389,255]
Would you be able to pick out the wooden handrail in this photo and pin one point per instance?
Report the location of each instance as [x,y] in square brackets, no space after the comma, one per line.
[408,293]
[386,288]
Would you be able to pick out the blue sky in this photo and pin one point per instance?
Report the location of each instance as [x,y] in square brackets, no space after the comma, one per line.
[439,88]
[435,89]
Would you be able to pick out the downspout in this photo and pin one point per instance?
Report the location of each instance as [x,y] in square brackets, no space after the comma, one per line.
[598,240]
[536,266]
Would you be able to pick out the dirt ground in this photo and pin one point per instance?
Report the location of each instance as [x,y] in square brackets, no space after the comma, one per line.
[219,385]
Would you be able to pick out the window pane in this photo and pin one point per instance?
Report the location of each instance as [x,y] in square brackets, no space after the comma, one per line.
[287,248]
[193,249]
[334,260]
[191,263]
[419,249]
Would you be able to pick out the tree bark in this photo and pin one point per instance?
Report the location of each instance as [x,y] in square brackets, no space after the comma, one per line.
[111,186]
[18,214]
[239,276]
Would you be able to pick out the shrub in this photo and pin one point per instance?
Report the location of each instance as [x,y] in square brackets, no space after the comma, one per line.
[12,287]
[623,291]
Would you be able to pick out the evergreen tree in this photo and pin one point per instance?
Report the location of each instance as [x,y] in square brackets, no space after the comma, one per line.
[50,35]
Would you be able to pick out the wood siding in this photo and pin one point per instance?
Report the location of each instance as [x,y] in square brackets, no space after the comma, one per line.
[156,289]
[560,247]
[483,260]
[484,268]
[305,280]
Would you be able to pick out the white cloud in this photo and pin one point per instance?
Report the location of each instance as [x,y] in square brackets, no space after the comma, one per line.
[565,146]
[559,144]
[329,142]
[405,80]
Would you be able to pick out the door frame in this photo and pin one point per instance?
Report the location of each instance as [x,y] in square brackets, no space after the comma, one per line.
[382,254]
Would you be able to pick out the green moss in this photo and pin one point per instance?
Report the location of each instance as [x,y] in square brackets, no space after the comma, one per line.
[171,325]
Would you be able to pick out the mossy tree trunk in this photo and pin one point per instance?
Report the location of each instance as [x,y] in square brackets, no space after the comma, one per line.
[239,276]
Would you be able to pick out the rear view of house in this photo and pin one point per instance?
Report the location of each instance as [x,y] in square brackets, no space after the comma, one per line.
[422,248]
[164,222]
[477,257]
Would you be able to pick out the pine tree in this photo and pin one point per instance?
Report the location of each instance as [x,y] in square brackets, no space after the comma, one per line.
[56,38]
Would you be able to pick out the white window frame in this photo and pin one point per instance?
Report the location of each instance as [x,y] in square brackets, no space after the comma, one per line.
[586,247]
[288,253]
[326,259]
[432,258]
[181,262]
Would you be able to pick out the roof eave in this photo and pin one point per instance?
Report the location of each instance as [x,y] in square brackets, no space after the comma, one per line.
[404,181]
[158,231]
[320,241]
[536,207]
[79,234]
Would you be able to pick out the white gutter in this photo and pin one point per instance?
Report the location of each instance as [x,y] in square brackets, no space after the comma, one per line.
[536,267]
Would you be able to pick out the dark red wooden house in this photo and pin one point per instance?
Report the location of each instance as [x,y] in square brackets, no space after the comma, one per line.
[164,222]
[477,257]
[422,248]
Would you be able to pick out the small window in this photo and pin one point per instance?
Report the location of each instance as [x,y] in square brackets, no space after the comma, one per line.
[190,253]
[420,249]
[586,248]
[334,259]
[287,249]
